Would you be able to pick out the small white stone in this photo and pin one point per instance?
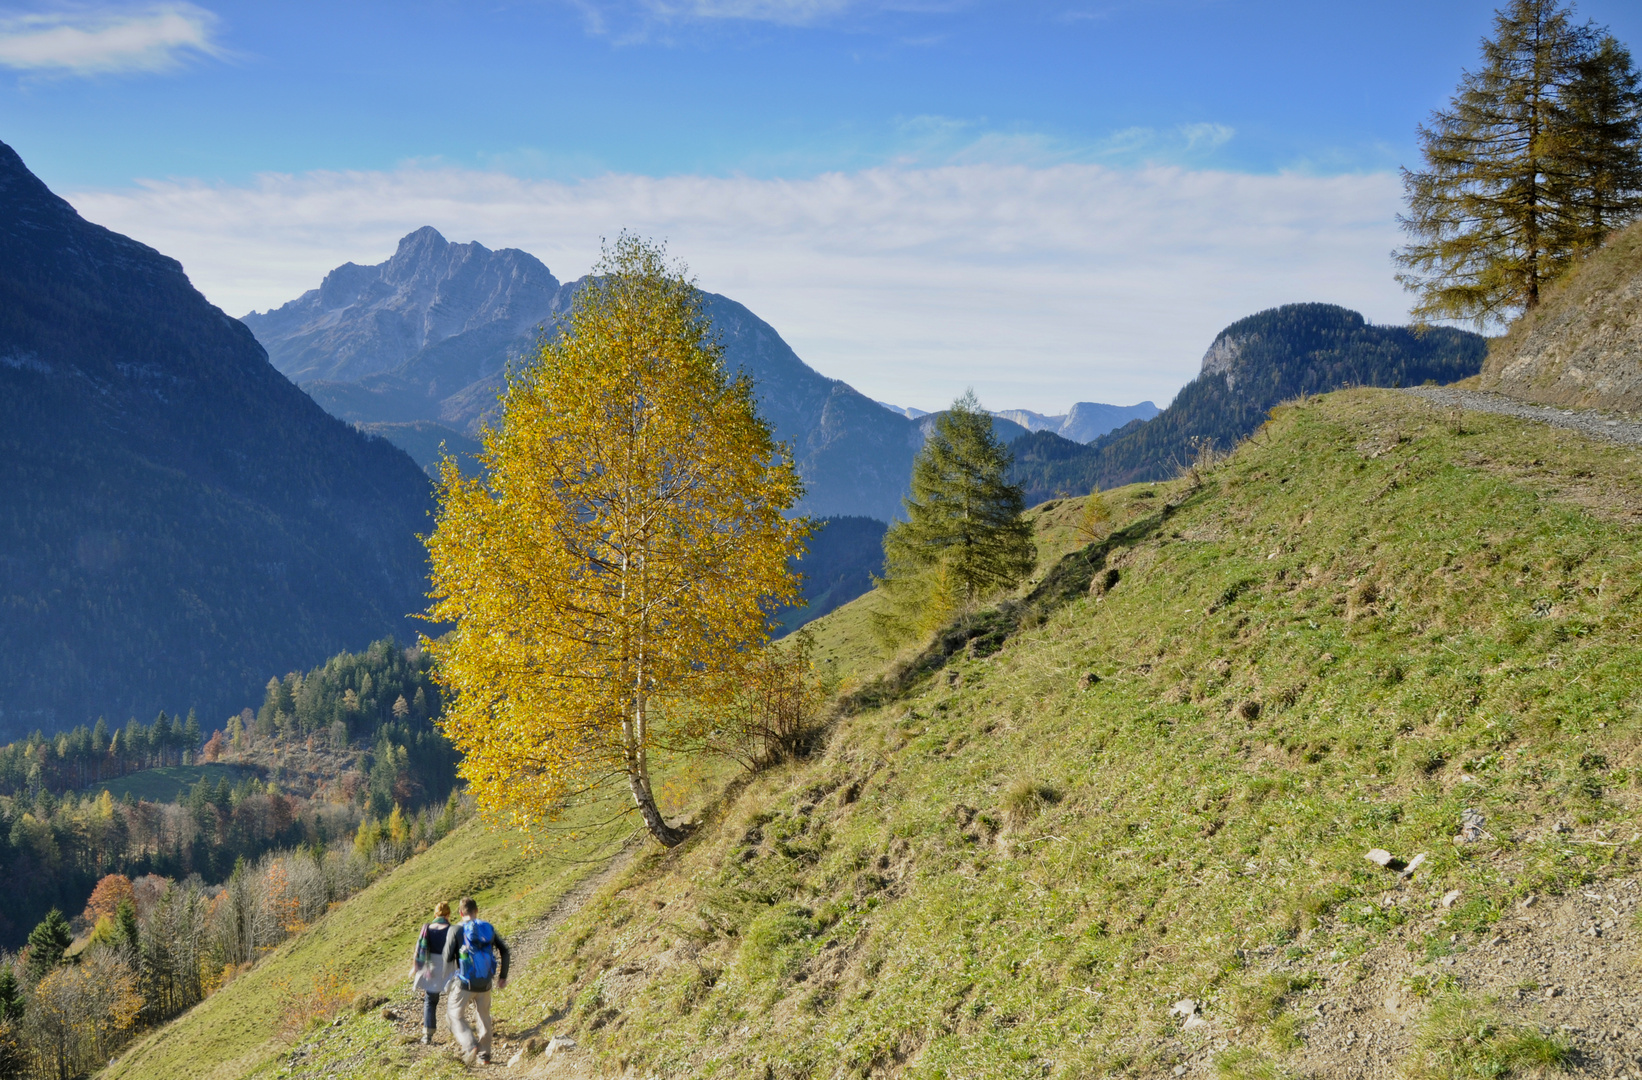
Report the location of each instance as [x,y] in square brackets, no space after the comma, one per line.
[1183,1007]
[1378,856]
[1449,898]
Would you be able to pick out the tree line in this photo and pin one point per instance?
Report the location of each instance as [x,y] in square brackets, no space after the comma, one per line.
[98,753]
[57,839]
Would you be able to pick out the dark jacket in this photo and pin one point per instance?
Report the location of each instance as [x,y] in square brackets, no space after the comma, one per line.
[453,949]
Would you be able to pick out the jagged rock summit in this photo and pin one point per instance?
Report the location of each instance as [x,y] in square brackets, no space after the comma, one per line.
[1582,346]
[427,335]
[179,521]
[367,320]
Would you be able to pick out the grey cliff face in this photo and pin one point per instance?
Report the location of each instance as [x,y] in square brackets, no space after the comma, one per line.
[1583,345]
[1221,359]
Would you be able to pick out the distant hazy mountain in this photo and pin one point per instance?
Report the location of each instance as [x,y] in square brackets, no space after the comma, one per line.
[1084,422]
[905,410]
[178,521]
[1252,365]
[428,442]
[1004,430]
[426,336]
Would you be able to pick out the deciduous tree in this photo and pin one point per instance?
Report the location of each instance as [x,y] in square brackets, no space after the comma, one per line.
[621,554]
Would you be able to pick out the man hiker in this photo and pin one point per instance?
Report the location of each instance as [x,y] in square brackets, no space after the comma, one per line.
[472,946]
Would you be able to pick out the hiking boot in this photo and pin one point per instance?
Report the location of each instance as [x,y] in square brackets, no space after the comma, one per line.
[484,1057]
[427,1037]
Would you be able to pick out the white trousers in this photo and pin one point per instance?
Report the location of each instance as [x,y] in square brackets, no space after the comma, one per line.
[456,1004]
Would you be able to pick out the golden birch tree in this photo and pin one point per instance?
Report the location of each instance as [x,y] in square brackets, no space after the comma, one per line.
[617,563]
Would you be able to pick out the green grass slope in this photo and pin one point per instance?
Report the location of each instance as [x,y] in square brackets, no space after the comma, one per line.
[1023,843]
[366,942]
[1362,624]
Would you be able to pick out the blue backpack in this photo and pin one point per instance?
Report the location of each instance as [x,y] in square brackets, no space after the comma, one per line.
[476,962]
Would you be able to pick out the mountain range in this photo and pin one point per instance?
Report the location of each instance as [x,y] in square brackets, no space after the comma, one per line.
[1084,421]
[180,522]
[426,336]
[1252,365]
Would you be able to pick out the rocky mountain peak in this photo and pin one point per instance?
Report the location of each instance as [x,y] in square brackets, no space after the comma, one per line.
[367,320]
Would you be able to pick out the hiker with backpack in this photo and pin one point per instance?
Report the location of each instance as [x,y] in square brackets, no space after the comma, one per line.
[429,970]
[472,946]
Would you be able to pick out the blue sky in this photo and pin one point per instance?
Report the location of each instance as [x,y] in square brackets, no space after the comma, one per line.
[1050,201]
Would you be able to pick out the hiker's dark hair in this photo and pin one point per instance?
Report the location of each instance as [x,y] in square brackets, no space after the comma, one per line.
[469,904]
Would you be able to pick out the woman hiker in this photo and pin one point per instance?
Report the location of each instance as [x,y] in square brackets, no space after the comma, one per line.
[429,972]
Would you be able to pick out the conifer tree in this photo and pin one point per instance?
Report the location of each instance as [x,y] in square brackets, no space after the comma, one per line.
[47,943]
[964,536]
[11,995]
[1531,164]
[1597,155]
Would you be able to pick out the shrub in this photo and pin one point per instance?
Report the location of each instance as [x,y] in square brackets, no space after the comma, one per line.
[329,994]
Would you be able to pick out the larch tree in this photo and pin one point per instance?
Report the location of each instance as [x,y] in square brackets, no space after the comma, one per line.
[1530,166]
[620,558]
[1597,158]
[964,537]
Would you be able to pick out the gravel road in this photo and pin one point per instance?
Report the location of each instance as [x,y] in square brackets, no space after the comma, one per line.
[1586,421]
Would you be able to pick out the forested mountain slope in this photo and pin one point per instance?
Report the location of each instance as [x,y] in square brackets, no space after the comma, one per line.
[176,518]
[427,336]
[1251,365]
[1118,825]
[1582,346]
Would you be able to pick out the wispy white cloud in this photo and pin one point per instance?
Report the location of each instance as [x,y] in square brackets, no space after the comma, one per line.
[630,21]
[99,40]
[1206,136]
[1039,286]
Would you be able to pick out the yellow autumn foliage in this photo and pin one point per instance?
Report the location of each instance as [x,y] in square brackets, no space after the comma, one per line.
[615,565]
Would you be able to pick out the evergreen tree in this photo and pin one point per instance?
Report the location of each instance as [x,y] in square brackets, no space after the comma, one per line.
[1534,160]
[964,536]
[1597,163]
[125,922]
[191,735]
[11,995]
[47,943]
[159,736]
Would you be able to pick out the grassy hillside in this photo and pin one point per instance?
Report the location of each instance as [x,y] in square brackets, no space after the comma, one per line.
[366,943]
[1098,801]
[170,783]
